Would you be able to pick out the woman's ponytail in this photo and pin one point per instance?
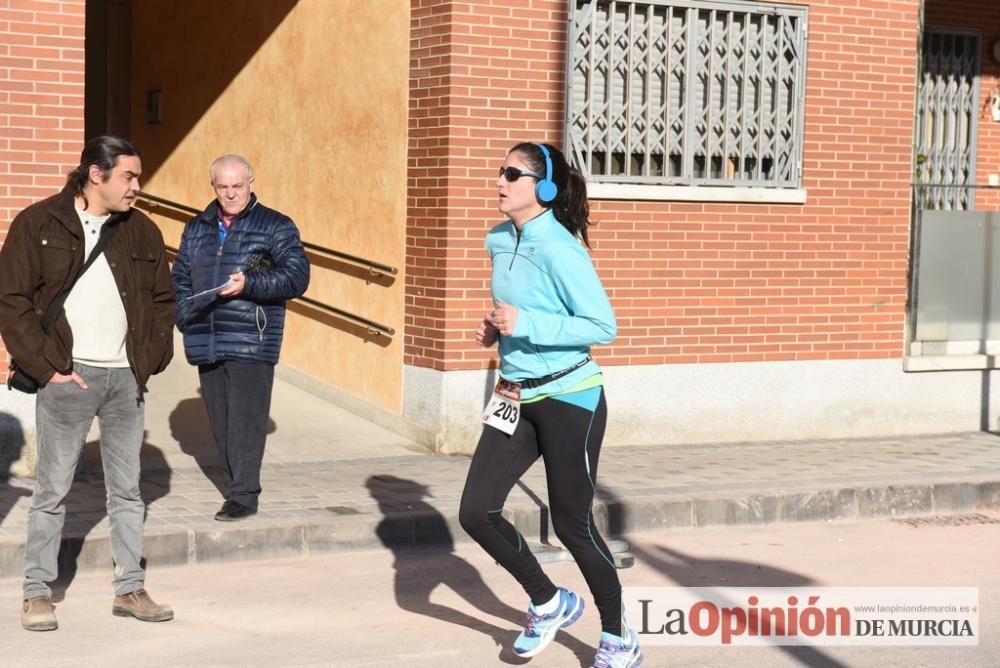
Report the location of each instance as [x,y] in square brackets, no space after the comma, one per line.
[570,206]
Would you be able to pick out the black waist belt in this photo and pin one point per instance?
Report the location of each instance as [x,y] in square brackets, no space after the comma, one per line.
[530,383]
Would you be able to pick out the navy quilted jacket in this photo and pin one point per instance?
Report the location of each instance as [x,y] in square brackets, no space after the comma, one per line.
[247,328]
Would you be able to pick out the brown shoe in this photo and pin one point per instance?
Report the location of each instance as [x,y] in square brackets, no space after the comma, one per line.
[38,614]
[138,604]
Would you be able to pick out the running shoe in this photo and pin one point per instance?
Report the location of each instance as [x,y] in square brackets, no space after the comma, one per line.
[541,629]
[616,652]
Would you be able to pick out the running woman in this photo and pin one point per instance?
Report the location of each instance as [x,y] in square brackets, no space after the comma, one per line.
[549,309]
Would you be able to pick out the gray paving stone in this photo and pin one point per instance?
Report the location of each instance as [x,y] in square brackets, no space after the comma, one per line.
[738,510]
[168,548]
[409,502]
[11,556]
[955,497]
[895,501]
[824,504]
[358,532]
[988,494]
[247,541]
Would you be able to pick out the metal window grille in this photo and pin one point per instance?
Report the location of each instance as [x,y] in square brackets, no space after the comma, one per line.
[947,104]
[686,92]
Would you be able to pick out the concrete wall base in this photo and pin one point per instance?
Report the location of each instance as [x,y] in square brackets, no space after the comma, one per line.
[670,404]
[705,403]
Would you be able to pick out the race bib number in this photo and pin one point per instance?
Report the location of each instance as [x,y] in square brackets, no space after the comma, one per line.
[503,410]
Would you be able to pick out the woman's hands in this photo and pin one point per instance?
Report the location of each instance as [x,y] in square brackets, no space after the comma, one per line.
[500,321]
[486,334]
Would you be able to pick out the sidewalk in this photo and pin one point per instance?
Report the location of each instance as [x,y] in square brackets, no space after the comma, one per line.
[334,482]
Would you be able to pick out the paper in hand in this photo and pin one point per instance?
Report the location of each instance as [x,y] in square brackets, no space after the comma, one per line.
[211,291]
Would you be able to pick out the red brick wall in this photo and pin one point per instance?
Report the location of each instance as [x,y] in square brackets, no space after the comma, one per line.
[690,282]
[41,101]
[429,171]
[483,77]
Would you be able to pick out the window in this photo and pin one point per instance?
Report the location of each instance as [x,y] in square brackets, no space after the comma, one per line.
[686,92]
[947,119]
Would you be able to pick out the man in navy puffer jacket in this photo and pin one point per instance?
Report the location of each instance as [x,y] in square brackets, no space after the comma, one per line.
[234,333]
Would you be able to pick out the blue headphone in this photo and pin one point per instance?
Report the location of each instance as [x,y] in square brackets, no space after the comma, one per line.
[546,190]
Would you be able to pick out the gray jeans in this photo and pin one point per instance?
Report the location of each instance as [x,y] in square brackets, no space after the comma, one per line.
[64,413]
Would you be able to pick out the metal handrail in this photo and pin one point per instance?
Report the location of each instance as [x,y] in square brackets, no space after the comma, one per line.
[372,326]
[173,205]
[375,268]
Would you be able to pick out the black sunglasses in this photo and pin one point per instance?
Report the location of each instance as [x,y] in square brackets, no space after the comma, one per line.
[512,174]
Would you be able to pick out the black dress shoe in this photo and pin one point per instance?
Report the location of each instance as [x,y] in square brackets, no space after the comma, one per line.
[233,511]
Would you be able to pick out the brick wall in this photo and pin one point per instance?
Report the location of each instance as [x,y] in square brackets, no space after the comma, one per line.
[690,282]
[41,101]
[428,176]
[482,75]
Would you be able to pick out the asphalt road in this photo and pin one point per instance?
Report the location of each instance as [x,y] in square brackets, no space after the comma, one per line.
[456,608]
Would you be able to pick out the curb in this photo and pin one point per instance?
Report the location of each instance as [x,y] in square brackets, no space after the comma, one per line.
[263,538]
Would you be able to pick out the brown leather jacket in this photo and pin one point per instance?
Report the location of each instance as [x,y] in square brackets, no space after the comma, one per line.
[43,253]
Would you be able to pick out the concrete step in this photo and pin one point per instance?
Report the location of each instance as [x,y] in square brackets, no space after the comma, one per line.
[352,526]
[548,553]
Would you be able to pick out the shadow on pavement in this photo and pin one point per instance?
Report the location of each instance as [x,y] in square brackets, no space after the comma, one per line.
[86,506]
[689,571]
[190,427]
[410,522]
[11,444]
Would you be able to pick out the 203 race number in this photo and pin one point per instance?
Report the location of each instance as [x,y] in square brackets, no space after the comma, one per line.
[506,412]
[504,408]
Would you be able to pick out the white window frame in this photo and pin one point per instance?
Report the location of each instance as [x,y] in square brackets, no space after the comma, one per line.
[656,109]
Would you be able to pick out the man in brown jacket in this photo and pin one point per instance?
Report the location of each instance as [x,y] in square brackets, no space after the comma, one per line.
[113,332]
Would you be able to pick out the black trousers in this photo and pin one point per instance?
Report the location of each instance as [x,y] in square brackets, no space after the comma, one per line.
[568,439]
[238,400]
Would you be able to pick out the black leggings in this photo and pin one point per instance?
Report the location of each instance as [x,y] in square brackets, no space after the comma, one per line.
[568,438]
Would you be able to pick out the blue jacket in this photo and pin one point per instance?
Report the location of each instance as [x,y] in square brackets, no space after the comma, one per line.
[247,328]
[562,308]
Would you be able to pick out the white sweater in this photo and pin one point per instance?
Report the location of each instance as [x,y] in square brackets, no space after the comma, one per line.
[94,308]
